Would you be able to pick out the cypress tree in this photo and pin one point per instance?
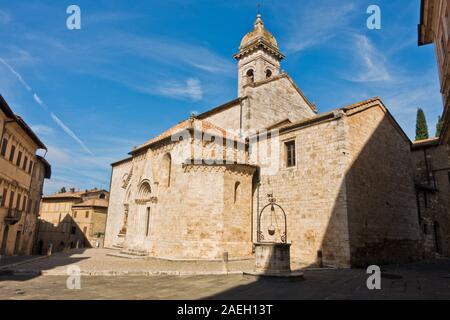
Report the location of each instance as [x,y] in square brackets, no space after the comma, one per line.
[439,125]
[421,126]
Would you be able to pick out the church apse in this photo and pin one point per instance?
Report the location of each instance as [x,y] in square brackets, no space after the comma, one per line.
[191,209]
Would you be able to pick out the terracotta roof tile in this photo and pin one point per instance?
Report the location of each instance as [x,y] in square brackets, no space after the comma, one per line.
[191,123]
[70,194]
[92,203]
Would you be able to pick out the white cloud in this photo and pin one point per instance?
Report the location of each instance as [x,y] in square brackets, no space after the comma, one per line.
[56,183]
[173,52]
[372,60]
[57,155]
[16,55]
[313,24]
[191,89]
[92,18]
[41,129]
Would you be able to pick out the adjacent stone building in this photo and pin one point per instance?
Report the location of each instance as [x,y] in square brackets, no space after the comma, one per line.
[22,175]
[432,180]
[434,28]
[73,219]
[345,178]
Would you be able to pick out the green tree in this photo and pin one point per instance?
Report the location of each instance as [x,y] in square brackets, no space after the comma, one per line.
[421,126]
[439,125]
[63,190]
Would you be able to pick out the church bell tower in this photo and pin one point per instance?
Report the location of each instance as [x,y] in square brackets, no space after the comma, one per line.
[258,57]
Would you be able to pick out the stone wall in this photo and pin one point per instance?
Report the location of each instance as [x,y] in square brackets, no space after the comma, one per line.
[269,101]
[61,236]
[189,211]
[433,192]
[273,101]
[259,61]
[116,202]
[350,196]
[312,193]
[229,119]
[382,213]
[197,218]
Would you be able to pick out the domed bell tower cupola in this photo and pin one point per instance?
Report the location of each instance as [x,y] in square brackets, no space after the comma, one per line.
[258,58]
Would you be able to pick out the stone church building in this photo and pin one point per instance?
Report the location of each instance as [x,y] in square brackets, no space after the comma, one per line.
[347,179]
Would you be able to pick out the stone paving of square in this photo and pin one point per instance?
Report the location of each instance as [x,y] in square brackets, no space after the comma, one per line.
[106,262]
[424,280]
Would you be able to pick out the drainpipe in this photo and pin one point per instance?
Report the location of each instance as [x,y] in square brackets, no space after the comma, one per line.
[258,185]
[257,206]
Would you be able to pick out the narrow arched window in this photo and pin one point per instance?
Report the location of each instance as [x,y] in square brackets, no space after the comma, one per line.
[268,73]
[147,224]
[250,76]
[237,190]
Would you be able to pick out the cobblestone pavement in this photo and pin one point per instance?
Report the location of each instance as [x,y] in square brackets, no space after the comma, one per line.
[425,280]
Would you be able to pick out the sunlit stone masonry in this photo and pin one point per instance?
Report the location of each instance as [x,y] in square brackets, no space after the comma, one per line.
[347,179]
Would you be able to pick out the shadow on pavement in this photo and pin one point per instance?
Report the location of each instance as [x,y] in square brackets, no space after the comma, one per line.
[33,269]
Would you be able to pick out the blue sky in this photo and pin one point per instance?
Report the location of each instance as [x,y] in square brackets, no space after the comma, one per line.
[137,67]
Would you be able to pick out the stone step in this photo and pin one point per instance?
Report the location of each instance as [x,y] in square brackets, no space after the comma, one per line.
[125,256]
[133,252]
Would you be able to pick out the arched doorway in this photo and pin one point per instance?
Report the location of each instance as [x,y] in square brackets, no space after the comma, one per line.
[143,208]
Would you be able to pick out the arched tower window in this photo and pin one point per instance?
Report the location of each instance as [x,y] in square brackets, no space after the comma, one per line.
[268,73]
[237,190]
[250,76]
[166,169]
[102,196]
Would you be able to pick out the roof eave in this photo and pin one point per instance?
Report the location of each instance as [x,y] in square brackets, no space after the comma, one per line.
[9,113]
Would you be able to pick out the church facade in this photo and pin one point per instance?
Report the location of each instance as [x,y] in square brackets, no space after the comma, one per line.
[346,179]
